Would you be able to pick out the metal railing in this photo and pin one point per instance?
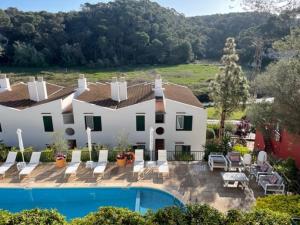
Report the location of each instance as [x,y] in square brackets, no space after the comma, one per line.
[176,155]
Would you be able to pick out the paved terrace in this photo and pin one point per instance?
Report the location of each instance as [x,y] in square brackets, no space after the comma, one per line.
[191,182]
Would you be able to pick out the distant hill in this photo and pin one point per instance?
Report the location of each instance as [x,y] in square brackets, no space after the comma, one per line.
[129,32]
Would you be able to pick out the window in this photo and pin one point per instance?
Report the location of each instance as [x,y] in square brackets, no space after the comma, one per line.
[93,122]
[0,128]
[140,123]
[183,149]
[48,124]
[159,118]
[184,122]
[68,118]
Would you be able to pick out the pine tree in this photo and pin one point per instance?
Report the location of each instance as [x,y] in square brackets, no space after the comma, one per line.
[230,89]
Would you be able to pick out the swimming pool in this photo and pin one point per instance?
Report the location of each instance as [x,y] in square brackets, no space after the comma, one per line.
[78,202]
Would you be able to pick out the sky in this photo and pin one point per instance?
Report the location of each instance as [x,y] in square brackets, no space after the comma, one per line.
[187,7]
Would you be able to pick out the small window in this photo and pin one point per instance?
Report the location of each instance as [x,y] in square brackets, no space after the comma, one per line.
[183,149]
[48,124]
[0,128]
[159,118]
[140,123]
[93,122]
[68,118]
[184,122]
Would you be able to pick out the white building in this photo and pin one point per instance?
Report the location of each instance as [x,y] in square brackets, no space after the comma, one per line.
[111,110]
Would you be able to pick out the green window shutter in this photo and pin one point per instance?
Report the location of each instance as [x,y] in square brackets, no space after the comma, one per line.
[140,123]
[97,123]
[188,122]
[48,124]
[0,128]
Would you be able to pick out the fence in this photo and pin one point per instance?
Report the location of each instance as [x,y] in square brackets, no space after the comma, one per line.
[176,155]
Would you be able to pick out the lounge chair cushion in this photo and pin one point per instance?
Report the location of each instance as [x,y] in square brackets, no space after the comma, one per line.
[234,158]
[100,167]
[273,179]
[72,168]
[138,166]
[264,167]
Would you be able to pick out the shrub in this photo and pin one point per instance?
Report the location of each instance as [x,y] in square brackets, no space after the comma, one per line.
[241,149]
[5,217]
[38,217]
[217,146]
[112,216]
[27,155]
[289,204]
[47,155]
[233,217]
[264,217]
[204,215]
[168,216]
[210,133]
[85,155]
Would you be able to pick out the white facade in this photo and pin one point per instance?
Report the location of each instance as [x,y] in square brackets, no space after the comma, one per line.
[114,122]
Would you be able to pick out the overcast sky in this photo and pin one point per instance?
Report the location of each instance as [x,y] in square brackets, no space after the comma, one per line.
[188,7]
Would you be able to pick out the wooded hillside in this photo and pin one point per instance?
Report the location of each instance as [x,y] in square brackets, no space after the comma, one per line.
[129,32]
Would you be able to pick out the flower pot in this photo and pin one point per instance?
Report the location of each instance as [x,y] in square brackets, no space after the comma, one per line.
[121,162]
[60,163]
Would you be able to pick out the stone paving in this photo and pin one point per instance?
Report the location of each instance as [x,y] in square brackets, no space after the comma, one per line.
[190,182]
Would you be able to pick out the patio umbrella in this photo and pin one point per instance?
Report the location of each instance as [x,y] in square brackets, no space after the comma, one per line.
[21,146]
[88,132]
[151,143]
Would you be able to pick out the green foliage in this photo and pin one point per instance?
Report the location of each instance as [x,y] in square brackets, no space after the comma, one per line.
[48,155]
[289,204]
[112,216]
[212,113]
[241,149]
[203,214]
[5,217]
[217,146]
[169,216]
[38,217]
[210,133]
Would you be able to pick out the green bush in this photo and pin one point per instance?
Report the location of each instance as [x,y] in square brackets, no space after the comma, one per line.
[204,215]
[168,216]
[241,149]
[289,204]
[264,217]
[27,155]
[48,155]
[217,146]
[5,217]
[38,217]
[210,134]
[112,216]
[233,217]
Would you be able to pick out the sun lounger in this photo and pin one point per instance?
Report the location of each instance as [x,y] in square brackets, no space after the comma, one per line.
[10,161]
[34,162]
[139,164]
[102,162]
[217,160]
[162,162]
[74,164]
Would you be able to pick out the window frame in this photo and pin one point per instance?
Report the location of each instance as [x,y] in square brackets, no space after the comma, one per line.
[185,125]
[137,128]
[163,117]
[48,128]
[1,128]
[94,126]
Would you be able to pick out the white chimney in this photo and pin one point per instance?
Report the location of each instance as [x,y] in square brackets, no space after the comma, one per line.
[4,83]
[158,89]
[114,89]
[32,89]
[41,89]
[123,89]
[82,85]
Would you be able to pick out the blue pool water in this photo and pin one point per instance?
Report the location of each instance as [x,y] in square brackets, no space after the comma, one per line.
[78,202]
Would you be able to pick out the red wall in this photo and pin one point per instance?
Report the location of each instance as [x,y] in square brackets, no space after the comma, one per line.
[287,147]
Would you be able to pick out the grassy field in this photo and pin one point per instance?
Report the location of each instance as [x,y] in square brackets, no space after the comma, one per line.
[195,76]
[212,113]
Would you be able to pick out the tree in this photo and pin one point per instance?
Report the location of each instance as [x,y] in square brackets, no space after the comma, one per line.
[274,6]
[230,89]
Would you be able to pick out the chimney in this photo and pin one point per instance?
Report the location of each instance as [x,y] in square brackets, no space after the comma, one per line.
[158,89]
[4,83]
[114,89]
[32,89]
[82,85]
[123,89]
[41,89]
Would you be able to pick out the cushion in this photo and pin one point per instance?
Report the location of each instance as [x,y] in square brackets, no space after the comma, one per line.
[264,167]
[273,179]
[234,158]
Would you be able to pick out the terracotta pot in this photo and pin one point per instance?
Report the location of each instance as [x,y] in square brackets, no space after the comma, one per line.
[121,162]
[60,163]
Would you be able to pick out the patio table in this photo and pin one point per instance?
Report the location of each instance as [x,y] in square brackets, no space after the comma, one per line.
[230,178]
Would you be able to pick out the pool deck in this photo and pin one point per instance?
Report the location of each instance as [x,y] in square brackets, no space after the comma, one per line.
[190,182]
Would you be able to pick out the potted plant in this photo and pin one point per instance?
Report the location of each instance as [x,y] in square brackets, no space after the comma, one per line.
[60,147]
[60,160]
[122,147]
[121,159]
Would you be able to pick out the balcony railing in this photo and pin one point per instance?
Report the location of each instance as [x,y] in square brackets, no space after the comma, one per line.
[176,155]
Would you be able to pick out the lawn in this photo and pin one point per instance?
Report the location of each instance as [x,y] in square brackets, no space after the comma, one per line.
[212,113]
[195,76]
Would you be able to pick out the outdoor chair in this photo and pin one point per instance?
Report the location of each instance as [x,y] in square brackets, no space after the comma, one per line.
[102,162]
[33,163]
[162,162]
[74,164]
[10,161]
[217,160]
[261,158]
[247,159]
[235,161]
[139,163]
[258,170]
[272,183]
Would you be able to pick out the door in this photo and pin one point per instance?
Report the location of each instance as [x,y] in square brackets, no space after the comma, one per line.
[159,145]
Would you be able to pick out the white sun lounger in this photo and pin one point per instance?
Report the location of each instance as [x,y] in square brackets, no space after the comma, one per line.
[34,162]
[74,164]
[139,163]
[10,161]
[162,162]
[102,162]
